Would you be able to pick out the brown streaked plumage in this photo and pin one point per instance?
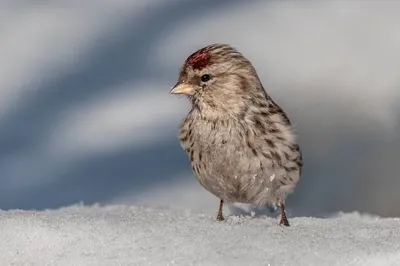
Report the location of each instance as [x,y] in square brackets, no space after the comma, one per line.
[240,143]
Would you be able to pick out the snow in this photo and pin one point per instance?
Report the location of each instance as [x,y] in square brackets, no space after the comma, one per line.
[133,235]
[85,113]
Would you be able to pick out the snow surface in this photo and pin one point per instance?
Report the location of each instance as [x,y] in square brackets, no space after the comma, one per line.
[124,235]
[85,113]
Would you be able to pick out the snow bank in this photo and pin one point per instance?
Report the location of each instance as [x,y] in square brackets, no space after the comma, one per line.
[122,235]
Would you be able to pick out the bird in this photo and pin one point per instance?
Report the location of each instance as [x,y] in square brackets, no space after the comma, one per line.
[240,143]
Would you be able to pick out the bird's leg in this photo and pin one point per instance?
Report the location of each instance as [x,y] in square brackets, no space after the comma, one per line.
[220,217]
[284,219]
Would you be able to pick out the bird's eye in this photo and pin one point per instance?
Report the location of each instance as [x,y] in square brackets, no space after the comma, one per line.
[205,78]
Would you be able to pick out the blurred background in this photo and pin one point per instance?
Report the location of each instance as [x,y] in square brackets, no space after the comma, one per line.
[86,115]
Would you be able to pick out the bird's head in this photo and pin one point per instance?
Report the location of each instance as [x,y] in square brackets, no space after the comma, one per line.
[218,80]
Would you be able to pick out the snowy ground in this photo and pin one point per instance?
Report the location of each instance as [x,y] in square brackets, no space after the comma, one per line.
[85,113]
[122,235]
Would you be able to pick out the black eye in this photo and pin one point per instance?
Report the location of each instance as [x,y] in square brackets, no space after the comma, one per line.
[205,78]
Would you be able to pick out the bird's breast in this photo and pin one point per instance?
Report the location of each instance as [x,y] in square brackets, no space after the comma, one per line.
[218,150]
[230,164]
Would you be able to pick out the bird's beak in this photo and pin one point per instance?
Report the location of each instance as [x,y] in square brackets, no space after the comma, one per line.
[182,88]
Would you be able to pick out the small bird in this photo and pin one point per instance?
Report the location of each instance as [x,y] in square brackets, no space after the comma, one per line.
[240,143]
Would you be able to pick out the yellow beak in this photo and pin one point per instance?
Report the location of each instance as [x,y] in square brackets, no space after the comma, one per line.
[182,88]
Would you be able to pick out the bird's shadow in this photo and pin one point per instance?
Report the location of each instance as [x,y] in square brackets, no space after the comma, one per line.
[252,210]
[272,211]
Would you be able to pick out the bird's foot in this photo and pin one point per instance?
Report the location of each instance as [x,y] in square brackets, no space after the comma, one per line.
[284,221]
[220,217]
